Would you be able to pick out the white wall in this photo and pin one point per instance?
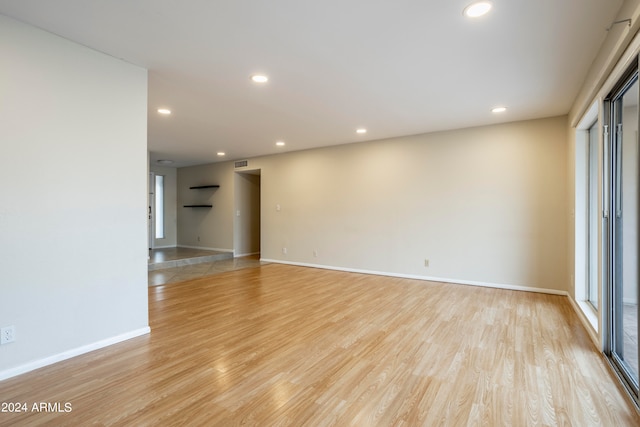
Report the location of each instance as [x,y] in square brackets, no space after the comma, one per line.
[485,204]
[210,228]
[170,206]
[73,185]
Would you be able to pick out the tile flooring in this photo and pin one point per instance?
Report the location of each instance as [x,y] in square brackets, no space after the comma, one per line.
[173,265]
[178,257]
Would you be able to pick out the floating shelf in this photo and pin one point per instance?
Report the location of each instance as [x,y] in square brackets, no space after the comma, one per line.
[199,187]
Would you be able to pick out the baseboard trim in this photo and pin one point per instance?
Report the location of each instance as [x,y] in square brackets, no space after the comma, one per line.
[205,248]
[425,278]
[247,254]
[50,360]
[586,323]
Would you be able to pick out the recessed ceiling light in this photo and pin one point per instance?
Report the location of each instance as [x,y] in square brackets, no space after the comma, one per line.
[477,9]
[164,162]
[280,143]
[221,153]
[259,78]
[499,109]
[164,111]
[361,130]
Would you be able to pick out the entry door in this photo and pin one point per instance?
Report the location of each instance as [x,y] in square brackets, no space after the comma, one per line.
[622,178]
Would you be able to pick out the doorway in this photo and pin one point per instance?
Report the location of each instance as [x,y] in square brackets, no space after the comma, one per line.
[247,230]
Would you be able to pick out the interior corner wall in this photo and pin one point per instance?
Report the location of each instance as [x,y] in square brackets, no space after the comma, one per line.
[73,226]
[484,205]
[207,228]
[170,206]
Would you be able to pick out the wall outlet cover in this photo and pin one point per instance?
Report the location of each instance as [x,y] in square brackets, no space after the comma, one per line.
[7,334]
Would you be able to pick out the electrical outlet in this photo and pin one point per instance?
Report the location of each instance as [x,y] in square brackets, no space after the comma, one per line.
[7,334]
[315,253]
[426,262]
[284,251]
[198,238]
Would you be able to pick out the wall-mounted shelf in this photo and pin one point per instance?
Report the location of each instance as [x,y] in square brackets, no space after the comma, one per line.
[200,187]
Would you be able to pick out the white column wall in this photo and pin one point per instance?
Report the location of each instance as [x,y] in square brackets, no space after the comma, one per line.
[73,198]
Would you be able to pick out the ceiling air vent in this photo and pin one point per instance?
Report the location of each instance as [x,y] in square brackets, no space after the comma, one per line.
[242,163]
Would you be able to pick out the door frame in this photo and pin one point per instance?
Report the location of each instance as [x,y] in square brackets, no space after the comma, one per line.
[151,214]
[612,183]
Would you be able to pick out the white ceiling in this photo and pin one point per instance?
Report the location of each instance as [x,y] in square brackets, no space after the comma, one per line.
[396,67]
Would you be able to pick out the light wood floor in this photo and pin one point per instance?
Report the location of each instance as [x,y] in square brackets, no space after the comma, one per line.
[284,345]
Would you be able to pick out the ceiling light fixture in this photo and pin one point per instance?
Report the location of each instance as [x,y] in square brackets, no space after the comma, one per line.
[164,111]
[164,162]
[259,78]
[280,143]
[221,153]
[361,130]
[477,9]
[499,109]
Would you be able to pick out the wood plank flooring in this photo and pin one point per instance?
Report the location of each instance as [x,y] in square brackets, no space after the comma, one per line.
[281,345]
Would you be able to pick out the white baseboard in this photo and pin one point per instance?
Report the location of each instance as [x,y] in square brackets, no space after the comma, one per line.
[27,367]
[586,322]
[205,248]
[164,247]
[247,254]
[426,278]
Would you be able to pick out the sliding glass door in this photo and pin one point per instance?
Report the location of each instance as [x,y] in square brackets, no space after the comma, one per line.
[621,219]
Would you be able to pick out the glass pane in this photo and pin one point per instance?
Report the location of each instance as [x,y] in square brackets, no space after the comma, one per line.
[159,208]
[593,215]
[625,211]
